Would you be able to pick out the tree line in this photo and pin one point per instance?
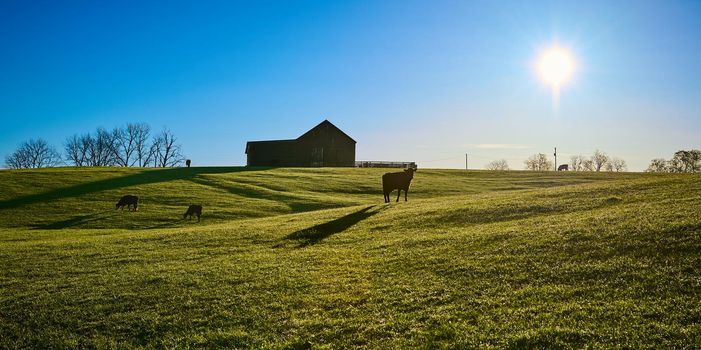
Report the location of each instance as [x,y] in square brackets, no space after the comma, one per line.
[682,162]
[597,162]
[540,162]
[126,146]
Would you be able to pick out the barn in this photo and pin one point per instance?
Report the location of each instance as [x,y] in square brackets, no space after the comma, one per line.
[323,145]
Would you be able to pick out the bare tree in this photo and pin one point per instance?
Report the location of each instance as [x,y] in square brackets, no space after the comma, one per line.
[500,164]
[166,152]
[616,164]
[92,152]
[576,163]
[599,159]
[126,142]
[620,164]
[538,162]
[126,146]
[142,148]
[86,144]
[588,165]
[35,153]
[76,149]
[101,148]
[154,152]
[657,165]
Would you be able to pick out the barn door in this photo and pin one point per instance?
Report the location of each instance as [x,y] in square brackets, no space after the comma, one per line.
[317,156]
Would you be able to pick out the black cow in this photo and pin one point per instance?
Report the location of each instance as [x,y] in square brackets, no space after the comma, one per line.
[129,201]
[195,210]
[563,167]
[399,181]
[188,162]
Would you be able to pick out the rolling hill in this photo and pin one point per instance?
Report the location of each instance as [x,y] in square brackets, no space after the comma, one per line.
[299,258]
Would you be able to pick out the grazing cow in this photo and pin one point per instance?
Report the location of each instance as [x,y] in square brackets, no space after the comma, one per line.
[129,201]
[193,210]
[187,163]
[399,181]
[563,167]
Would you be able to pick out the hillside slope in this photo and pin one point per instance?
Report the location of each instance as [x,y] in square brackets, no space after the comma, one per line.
[86,198]
[472,260]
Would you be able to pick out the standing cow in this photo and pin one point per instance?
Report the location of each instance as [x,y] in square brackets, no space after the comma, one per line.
[129,201]
[399,181]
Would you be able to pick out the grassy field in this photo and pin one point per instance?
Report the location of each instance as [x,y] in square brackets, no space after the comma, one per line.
[299,258]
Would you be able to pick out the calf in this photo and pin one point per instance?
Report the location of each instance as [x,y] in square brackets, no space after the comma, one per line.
[193,210]
[129,201]
[399,181]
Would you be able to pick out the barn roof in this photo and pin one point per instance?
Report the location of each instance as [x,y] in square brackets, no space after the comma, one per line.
[326,123]
[323,124]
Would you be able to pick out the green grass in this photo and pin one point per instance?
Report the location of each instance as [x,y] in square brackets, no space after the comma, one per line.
[286,258]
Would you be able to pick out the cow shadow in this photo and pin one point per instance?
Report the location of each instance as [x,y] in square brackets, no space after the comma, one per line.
[315,234]
[141,178]
[74,221]
[167,224]
[297,204]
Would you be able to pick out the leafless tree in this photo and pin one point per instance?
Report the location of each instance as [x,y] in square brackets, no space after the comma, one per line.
[154,152]
[599,159]
[576,163]
[166,152]
[142,148]
[131,145]
[500,164]
[616,164]
[588,165]
[101,148]
[35,153]
[76,148]
[86,150]
[538,162]
[127,142]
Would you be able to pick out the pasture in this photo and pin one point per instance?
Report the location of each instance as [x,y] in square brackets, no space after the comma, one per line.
[313,258]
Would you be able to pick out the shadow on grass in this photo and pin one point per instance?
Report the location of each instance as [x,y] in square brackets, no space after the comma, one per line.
[315,234]
[297,204]
[166,224]
[140,178]
[74,221]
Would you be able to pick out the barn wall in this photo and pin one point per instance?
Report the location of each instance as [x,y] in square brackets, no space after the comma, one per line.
[272,153]
[326,146]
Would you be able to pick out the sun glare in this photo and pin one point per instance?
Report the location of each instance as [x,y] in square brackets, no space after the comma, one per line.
[555,66]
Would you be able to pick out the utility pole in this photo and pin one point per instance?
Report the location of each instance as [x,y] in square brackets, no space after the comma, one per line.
[466,161]
[555,154]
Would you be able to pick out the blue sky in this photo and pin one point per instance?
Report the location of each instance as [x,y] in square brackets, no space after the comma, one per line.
[424,81]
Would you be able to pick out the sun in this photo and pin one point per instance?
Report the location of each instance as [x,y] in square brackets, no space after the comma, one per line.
[556,66]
